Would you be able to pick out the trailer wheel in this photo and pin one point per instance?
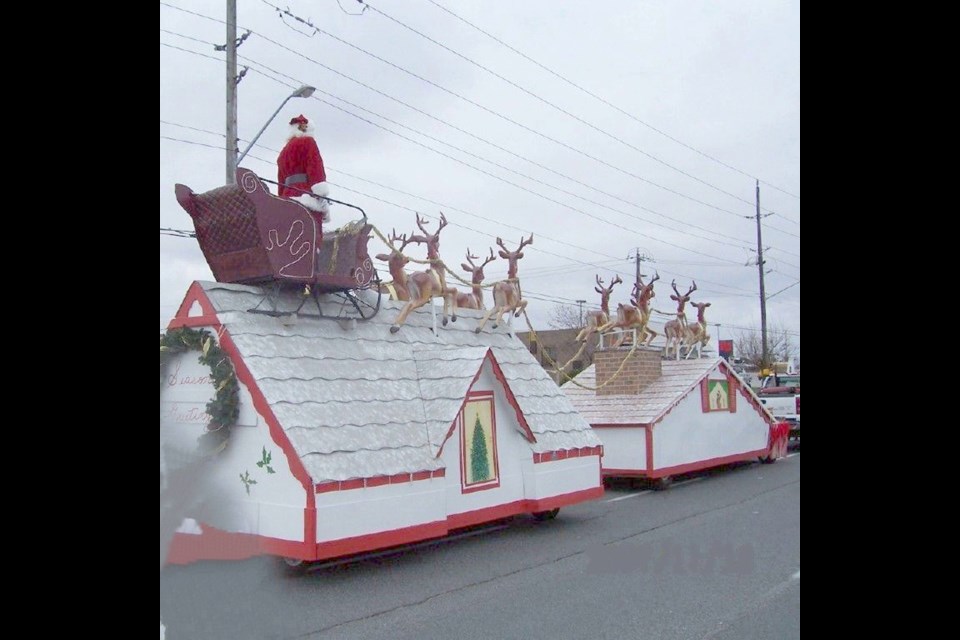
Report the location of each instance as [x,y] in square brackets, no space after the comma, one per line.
[293,563]
[541,516]
[770,459]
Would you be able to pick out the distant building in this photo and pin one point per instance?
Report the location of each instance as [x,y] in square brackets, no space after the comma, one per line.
[560,347]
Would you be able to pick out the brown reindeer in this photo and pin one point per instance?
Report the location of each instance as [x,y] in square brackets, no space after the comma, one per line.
[426,285]
[396,261]
[474,300]
[674,329]
[695,335]
[636,316]
[506,293]
[596,319]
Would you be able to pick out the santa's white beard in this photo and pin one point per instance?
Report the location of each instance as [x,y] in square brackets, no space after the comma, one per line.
[296,133]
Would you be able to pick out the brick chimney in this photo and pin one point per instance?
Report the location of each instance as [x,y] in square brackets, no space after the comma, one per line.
[640,369]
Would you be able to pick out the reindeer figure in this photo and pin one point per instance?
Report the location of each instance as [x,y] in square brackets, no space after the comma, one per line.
[696,334]
[426,285]
[506,293]
[596,319]
[674,329]
[636,316]
[396,261]
[474,300]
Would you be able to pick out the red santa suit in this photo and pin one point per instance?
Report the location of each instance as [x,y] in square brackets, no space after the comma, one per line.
[300,170]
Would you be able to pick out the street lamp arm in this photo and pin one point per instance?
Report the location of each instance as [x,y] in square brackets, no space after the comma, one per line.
[303,92]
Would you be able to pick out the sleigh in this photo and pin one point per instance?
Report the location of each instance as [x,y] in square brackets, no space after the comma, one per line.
[249,236]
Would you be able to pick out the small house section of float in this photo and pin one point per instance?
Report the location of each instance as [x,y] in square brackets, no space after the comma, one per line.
[658,417]
[352,438]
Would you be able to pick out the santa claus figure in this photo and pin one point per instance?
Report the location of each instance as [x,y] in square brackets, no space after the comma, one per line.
[300,170]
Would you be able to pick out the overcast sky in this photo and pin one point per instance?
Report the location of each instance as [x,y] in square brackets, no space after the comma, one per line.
[699,99]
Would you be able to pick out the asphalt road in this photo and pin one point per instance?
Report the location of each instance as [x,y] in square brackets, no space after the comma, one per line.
[715,556]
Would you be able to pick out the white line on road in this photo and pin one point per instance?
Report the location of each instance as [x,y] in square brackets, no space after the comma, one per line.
[795,576]
[683,482]
[628,496]
[790,455]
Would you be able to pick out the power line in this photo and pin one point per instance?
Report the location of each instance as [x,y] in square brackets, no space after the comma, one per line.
[497,222]
[491,111]
[609,104]
[551,104]
[472,135]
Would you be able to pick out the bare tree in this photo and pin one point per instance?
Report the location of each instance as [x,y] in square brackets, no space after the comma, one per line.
[780,346]
[565,316]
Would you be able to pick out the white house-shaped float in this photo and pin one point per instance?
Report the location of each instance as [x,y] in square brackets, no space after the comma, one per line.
[351,438]
[658,417]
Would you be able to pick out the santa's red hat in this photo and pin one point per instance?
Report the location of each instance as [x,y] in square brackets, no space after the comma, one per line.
[299,120]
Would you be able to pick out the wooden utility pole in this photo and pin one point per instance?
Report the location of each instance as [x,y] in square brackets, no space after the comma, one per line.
[231,47]
[763,293]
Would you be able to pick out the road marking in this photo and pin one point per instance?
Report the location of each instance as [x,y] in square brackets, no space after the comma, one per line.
[795,576]
[790,455]
[628,496]
[683,482]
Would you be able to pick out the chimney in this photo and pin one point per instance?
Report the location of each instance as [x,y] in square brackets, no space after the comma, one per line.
[640,369]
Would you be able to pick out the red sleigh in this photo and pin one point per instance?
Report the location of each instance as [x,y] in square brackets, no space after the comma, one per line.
[250,236]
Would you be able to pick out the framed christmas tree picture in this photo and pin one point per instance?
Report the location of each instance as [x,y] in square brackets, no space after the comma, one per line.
[479,467]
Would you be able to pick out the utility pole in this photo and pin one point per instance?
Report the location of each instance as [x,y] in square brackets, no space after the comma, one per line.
[231,45]
[763,293]
[638,258]
[580,302]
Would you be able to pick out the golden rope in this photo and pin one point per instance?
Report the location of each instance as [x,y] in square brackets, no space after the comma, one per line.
[616,374]
[431,263]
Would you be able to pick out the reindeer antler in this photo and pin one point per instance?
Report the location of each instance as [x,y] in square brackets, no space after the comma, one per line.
[523,242]
[471,258]
[395,238]
[616,280]
[487,261]
[420,223]
[443,222]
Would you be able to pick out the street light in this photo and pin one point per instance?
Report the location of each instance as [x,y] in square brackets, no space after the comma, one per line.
[303,92]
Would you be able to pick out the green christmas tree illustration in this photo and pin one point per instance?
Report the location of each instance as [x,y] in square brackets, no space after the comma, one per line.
[479,469]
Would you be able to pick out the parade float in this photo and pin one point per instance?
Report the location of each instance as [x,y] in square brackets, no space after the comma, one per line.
[305,414]
[662,411]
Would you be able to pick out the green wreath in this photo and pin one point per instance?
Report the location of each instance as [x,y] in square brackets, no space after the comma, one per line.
[225,407]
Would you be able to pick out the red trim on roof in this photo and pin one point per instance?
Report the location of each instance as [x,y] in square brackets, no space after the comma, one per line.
[624,425]
[498,372]
[194,294]
[563,454]
[748,394]
[260,404]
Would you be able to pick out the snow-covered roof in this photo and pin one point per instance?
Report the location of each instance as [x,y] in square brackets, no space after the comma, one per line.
[357,401]
[679,378]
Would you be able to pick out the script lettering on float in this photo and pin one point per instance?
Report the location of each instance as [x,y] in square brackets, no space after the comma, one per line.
[185,391]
